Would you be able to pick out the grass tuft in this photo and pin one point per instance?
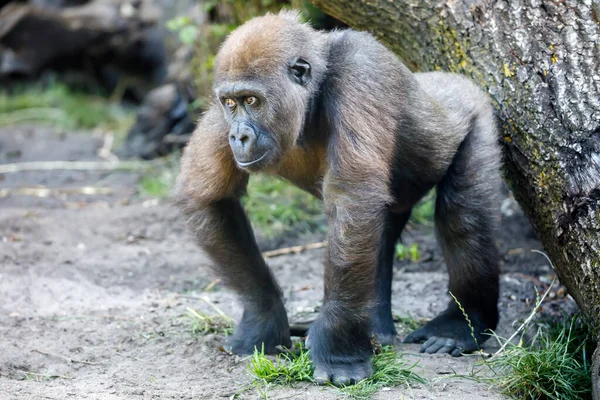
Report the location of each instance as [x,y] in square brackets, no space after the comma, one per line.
[285,369]
[389,370]
[203,323]
[555,366]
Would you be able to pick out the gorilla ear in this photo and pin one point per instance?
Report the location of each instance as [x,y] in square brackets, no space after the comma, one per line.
[300,71]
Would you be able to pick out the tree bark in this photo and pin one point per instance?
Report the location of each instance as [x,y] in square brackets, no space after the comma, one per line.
[539,61]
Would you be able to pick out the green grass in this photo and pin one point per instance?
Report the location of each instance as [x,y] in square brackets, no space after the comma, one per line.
[285,369]
[58,105]
[275,206]
[555,366]
[204,323]
[159,182]
[389,370]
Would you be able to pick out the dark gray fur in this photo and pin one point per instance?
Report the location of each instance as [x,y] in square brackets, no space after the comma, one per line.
[389,137]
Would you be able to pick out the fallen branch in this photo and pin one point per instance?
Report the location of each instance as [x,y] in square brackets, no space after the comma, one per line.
[294,249]
[76,165]
[47,192]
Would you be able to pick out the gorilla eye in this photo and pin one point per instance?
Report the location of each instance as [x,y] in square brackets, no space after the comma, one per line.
[229,103]
[250,100]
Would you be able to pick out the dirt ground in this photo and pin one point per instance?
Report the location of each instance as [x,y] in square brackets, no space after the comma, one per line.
[95,288]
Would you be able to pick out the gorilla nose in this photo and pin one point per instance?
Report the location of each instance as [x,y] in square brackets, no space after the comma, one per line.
[242,141]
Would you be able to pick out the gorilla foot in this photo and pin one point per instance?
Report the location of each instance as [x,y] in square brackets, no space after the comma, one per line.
[341,353]
[342,374]
[449,333]
[261,328]
[383,330]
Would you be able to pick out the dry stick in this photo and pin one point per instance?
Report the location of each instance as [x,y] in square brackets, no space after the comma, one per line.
[294,249]
[75,165]
[533,312]
[211,285]
[67,359]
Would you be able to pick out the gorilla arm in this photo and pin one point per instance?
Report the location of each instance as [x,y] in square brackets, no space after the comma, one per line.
[356,194]
[208,189]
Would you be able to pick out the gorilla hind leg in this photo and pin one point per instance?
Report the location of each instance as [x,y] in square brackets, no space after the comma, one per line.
[383,324]
[465,214]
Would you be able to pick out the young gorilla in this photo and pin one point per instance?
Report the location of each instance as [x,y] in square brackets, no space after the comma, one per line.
[340,116]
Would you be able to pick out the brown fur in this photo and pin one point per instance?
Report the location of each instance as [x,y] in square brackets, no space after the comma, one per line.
[208,171]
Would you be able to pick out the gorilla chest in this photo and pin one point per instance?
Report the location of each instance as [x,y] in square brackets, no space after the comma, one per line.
[304,167]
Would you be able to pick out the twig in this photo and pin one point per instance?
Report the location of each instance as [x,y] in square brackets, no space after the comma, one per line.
[211,285]
[47,192]
[294,249]
[533,312]
[67,359]
[214,307]
[75,165]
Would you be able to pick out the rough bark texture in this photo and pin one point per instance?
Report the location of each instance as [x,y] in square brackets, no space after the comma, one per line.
[539,60]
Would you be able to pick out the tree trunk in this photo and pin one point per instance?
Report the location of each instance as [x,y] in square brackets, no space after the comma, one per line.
[539,61]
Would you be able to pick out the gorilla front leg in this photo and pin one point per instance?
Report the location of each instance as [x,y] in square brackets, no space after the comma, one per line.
[223,231]
[340,338]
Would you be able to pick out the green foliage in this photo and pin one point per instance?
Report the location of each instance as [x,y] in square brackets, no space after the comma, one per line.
[158,182]
[61,106]
[423,212]
[388,371]
[275,206]
[184,26]
[555,366]
[408,252]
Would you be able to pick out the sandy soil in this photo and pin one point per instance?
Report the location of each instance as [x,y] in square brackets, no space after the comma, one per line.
[95,288]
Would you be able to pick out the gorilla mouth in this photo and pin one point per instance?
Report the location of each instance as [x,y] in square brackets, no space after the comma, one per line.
[249,163]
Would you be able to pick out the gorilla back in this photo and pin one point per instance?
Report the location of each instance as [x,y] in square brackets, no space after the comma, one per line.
[340,116]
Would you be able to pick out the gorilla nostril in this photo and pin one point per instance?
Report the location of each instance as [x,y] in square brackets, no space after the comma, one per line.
[244,139]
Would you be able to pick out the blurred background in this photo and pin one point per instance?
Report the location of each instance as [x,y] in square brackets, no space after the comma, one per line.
[137,73]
